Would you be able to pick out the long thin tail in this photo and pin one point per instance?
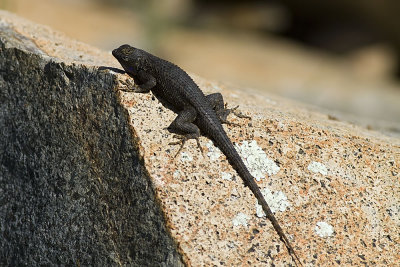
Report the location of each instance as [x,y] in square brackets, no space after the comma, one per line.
[226,146]
[261,200]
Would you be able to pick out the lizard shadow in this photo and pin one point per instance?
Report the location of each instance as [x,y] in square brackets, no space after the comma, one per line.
[112,69]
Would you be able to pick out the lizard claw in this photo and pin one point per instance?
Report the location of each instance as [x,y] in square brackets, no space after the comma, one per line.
[199,146]
[181,142]
[183,139]
[232,124]
[238,113]
[223,114]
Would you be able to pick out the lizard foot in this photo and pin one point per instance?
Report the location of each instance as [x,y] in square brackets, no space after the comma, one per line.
[183,139]
[237,113]
[223,115]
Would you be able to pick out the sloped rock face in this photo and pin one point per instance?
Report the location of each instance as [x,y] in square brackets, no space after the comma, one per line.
[72,187]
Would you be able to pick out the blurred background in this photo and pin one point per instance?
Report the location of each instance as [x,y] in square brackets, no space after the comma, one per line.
[341,56]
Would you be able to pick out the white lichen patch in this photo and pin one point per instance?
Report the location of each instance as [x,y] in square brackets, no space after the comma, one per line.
[240,219]
[323,229]
[186,157]
[226,176]
[317,167]
[277,201]
[256,160]
[213,152]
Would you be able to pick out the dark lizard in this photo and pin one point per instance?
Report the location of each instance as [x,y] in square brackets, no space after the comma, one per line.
[197,113]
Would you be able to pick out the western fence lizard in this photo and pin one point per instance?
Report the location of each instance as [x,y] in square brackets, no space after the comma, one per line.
[197,113]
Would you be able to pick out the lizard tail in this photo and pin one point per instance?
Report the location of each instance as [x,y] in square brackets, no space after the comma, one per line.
[261,200]
[250,182]
[226,146]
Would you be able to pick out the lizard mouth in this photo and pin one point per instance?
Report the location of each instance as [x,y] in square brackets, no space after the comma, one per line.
[114,52]
[118,55]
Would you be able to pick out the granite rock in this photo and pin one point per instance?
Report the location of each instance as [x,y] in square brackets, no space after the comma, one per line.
[87,176]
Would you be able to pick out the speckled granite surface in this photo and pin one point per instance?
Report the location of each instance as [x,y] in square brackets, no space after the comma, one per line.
[336,187]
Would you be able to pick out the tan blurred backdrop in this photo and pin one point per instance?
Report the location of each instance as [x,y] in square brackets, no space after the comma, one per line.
[347,68]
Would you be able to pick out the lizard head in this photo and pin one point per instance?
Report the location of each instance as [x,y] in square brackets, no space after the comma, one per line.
[131,59]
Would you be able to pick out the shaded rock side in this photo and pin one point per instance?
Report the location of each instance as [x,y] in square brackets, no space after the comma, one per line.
[73,190]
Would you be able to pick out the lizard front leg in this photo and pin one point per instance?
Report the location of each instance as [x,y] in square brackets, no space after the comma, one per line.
[183,124]
[145,82]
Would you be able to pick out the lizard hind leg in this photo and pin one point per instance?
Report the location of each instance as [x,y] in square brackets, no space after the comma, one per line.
[183,124]
[217,103]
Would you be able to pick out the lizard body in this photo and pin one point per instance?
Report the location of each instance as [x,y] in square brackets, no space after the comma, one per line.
[197,113]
